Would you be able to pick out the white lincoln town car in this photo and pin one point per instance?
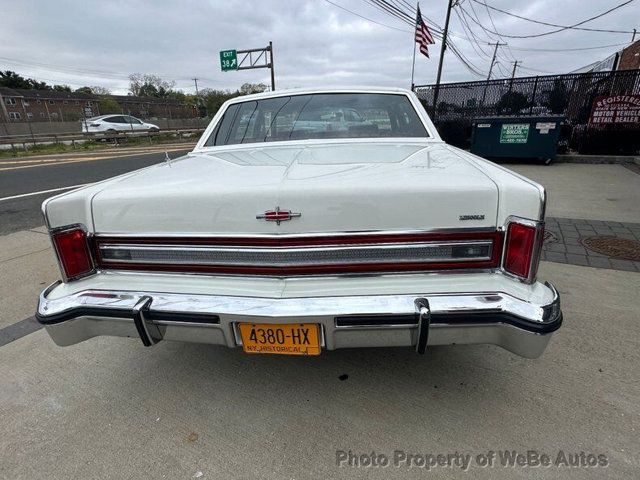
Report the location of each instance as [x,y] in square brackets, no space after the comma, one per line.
[306,220]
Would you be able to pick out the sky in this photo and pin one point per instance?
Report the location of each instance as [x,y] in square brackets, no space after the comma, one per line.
[315,42]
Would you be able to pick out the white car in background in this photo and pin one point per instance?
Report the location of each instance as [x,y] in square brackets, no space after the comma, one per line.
[117,123]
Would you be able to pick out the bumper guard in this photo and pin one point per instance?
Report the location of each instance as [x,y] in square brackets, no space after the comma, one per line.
[496,318]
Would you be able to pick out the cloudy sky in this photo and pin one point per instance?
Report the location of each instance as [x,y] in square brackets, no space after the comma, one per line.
[79,42]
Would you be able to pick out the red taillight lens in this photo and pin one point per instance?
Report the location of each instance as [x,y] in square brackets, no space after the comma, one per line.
[520,247]
[73,252]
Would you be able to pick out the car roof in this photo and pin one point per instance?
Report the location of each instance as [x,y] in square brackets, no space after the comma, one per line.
[101,117]
[307,91]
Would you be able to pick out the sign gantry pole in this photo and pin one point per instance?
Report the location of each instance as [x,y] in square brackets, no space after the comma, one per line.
[249,59]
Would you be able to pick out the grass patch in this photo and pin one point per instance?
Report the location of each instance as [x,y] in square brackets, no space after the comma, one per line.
[88,145]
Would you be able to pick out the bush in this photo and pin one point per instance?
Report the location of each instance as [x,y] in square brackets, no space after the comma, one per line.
[605,140]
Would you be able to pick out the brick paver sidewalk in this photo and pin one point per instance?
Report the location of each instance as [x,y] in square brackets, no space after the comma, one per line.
[564,244]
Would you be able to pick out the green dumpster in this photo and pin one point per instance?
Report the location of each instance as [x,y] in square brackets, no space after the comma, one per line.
[516,137]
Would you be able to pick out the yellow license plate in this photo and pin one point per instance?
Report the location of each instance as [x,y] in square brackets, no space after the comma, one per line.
[280,339]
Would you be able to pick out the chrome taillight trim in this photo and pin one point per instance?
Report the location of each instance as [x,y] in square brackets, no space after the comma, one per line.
[537,247]
[426,252]
[68,228]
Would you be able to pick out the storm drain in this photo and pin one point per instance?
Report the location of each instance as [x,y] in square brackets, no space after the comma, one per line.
[615,247]
[549,237]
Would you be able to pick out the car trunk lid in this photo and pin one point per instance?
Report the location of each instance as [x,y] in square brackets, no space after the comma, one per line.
[334,187]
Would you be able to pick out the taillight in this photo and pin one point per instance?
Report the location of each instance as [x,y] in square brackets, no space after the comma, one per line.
[521,249]
[73,252]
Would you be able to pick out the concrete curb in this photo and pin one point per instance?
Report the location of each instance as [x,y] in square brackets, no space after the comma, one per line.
[598,159]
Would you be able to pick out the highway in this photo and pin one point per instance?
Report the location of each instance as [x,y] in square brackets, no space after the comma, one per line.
[26,183]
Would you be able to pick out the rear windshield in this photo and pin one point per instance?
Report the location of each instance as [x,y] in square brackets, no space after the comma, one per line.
[322,115]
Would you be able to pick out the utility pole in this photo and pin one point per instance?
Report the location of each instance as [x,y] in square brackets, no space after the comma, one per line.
[493,61]
[452,3]
[513,73]
[633,39]
[195,81]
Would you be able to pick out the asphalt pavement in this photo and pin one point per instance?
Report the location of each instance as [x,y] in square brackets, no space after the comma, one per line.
[22,178]
[111,408]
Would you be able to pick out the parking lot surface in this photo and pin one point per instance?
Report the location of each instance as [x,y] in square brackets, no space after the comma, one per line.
[110,408]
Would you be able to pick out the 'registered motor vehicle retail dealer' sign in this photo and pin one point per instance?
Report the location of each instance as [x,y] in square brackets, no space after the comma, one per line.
[615,109]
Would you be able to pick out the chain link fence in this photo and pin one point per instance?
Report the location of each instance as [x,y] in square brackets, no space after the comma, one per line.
[569,95]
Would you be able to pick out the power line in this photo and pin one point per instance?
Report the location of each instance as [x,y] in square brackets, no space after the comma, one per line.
[366,18]
[382,7]
[568,49]
[465,27]
[540,22]
[396,11]
[535,69]
[475,14]
[559,29]
[401,12]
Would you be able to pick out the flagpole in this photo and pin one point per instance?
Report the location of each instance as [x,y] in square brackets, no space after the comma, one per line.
[413,65]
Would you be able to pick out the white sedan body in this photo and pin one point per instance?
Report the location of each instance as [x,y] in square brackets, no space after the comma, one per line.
[376,233]
[116,123]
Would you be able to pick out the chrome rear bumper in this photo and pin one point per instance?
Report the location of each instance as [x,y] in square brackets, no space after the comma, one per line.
[495,318]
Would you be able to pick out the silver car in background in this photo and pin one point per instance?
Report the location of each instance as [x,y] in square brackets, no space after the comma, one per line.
[117,123]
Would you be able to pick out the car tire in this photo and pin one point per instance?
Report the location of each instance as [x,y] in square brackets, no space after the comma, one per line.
[111,134]
[154,130]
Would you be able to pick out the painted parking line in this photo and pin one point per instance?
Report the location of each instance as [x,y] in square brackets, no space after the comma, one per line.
[22,195]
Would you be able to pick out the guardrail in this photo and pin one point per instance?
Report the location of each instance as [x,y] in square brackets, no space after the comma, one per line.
[72,138]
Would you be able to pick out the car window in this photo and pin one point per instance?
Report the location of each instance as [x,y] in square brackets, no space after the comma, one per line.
[114,119]
[221,132]
[332,115]
[133,120]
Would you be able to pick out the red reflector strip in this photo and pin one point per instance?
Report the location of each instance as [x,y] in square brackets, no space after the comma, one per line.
[269,256]
[519,249]
[73,253]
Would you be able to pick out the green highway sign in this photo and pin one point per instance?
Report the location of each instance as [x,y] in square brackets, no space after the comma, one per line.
[228,60]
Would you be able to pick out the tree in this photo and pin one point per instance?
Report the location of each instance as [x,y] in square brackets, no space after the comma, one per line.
[86,90]
[213,99]
[108,105]
[511,103]
[36,85]
[11,79]
[97,90]
[145,85]
[558,100]
[249,88]
[15,80]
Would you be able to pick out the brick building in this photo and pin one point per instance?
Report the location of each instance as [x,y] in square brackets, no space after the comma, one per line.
[19,105]
[626,59]
[630,57]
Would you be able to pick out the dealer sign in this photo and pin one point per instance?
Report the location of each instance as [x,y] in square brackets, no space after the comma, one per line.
[615,109]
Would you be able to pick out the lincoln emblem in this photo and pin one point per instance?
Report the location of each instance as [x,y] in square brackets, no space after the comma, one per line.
[277,215]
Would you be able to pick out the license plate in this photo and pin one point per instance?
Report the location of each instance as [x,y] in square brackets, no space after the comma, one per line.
[280,339]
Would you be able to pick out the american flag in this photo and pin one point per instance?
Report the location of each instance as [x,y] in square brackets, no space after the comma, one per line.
[423,35]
